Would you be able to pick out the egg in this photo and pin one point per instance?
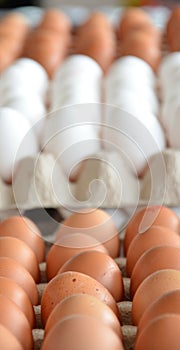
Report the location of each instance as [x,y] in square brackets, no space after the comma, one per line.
[142,45]
[153,237]
[26,230]
[96,223]
[168,68]
[83,304]
[82,332]
[101,267]
[154,286]
[131,20]
[168,303]
[148,216]
[16,249]
[66,247]
[8,340]
[172,27]
[10,268]
[155,259]
[96,20]
[55,20]
[68,283]
[14,319]
[160,333]
[22,141]
[14,292]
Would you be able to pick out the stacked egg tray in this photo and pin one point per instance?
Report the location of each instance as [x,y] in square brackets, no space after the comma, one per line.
[125,306]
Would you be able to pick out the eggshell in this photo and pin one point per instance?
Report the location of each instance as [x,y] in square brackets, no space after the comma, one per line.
[148,216]
[8,340]
[56,20]
[133,19]
[141,45]
[16,249]
[16,142]
[155,259]
[168,68]
[168,303]
[68,283]
[83,304]
[14,319]
[173,27]
[160,333]
[96,20]
[154,286]
[26,230]
[66,247]
[14,292]
[10,268]
[82,332]
[96,223]
[153,237]
[101,267]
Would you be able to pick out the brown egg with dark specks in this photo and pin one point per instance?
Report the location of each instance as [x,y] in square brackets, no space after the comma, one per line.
[96,223]
[155,236]
[68,283]
[81,332]
[13,291]
[168,303]
[14,319]
[160,333]
[101,267]
[154,286]
[18,250]
[155,259]
[23,228]
[148,216]
[8,340]
[66,247]
[12,269]
[83,304]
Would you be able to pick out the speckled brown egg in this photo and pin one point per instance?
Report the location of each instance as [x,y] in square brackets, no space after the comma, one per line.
[82,332]
[148,216]
[101,267]
[68,283]
[66,247]
[96,223]
[155,259]
[84,304]
[153,237]
[12,317]
[154,286]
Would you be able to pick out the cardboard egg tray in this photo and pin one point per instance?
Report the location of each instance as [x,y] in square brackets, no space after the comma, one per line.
[125,306]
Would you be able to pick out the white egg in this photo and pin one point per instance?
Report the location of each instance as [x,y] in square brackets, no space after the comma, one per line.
[168,67]
[17,141]
[70,136]
[173,126]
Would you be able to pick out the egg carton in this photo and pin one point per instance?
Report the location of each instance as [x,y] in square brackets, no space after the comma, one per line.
[105,180]
[125,307]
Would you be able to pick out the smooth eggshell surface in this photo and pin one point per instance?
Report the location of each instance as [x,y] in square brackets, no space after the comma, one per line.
[8,340]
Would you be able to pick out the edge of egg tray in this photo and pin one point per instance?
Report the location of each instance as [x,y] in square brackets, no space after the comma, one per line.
[105,181]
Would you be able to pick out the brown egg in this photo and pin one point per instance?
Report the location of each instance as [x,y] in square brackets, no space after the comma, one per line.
[24,229]
[148,216]
[56,21]
[14,319]
[160,333]
[96,21]
[101,267]
[155,259]
[84,304]
[13,291]
[68,283]
[66,247]
[5,58]
[172,28]
[8,340]
[153,237]
[16,249]
[16,19]
[154,286]
[168,303]
[10,268]
[133,19]
[144,46]
[82,332]
[96,223]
